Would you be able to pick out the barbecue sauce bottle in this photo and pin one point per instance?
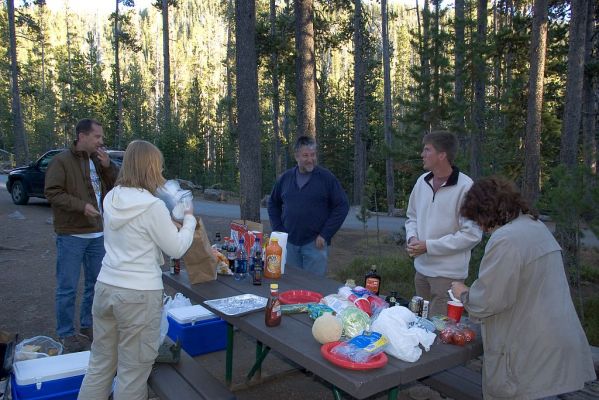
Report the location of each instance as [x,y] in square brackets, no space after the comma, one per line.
[272,316]
[372,281]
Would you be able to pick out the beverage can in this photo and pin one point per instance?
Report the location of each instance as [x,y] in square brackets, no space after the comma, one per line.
[425,309]
[416,305]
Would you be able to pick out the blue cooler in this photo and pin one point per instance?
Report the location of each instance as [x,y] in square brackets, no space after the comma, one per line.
[55,378]
[198,330]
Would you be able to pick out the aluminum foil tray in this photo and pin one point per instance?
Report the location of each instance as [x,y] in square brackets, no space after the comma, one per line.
[238,305]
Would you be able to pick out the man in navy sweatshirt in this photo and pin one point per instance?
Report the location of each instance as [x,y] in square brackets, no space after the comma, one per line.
[309,204]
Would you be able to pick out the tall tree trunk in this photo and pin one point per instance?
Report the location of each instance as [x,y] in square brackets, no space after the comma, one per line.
[532,141]
[286,120]
[21,146]
[567,229]
[360,122]
[117,80]
[572,109]
[480,77]
[436,82]
[274,55]
[387,121]
[460,50]
[425,65]
[229,66]
[306,67]
[42,41]
[250,161]
[167,65]
[589,111]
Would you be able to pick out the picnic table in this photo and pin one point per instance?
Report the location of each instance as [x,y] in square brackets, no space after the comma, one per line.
[293,338]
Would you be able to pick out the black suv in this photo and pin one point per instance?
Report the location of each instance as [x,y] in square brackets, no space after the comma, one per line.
[25,182]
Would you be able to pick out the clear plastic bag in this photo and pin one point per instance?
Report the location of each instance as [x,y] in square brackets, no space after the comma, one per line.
[37,347]
[355,321]
[362,348]
[169,302]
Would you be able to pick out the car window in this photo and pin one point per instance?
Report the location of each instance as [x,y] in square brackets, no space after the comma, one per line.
[45,160]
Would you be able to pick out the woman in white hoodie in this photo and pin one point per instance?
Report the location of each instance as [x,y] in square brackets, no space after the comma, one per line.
[127,304]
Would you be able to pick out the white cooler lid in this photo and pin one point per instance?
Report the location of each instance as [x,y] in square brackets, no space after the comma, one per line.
[189,314]
[28,372]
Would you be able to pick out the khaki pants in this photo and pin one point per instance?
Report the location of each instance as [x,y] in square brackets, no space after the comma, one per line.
[126,341]
[434,289]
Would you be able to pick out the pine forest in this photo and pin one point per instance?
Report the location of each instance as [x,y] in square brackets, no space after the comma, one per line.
[224,87]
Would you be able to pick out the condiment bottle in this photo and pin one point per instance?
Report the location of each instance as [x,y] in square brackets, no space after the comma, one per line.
[274,255]
[272,316]
[372,281]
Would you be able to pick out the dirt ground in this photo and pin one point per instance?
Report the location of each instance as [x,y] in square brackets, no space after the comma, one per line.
[28,257]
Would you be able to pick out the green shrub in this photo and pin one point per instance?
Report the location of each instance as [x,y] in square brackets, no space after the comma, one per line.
[591,319]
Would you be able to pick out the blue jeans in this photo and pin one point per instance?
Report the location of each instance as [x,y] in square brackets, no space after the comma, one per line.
[71,252]
[308,257]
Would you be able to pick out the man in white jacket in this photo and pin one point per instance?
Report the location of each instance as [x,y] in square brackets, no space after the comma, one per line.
[437,237]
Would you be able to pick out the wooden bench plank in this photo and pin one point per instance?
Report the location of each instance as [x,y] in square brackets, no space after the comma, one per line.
[168,384]
[458,382]
[187,380]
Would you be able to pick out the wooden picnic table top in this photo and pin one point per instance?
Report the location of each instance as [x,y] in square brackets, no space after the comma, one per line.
[293,338]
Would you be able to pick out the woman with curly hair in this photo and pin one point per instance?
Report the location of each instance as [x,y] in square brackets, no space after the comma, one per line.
[534,344]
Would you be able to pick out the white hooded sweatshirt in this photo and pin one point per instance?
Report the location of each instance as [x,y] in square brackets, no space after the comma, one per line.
[137,229]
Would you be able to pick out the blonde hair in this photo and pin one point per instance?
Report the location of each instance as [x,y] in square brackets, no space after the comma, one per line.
[142,167]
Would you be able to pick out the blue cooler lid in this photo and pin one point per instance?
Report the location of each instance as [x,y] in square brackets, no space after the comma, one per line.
[190,314]
[28,372]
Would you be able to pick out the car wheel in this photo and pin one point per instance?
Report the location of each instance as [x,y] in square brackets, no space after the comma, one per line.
[18,193]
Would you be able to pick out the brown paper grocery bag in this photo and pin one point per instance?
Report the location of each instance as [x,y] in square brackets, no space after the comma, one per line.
[199,260]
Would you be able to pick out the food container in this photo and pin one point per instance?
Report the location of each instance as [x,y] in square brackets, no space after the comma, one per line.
[198,330]
[57,377]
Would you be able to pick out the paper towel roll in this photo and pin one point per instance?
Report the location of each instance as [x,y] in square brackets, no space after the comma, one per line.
[282,237]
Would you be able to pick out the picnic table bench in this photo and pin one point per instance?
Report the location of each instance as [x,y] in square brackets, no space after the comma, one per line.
[293,338]
[186,380]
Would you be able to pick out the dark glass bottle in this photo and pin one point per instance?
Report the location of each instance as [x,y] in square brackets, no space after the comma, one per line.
[258,268]
[272,316]
[392,299]
[372,281]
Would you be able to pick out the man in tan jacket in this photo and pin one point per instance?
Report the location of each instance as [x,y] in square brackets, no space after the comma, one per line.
[76,182]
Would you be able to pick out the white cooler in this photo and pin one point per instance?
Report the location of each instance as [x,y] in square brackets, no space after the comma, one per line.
[56,378]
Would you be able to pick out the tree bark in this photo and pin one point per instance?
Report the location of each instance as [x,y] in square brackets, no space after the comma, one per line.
[460,49]
[387,120]
[572,109]
[250,162]
[480,76]
[306,67]
[117,80]
[425,64]
[229,66]
[360,122]
[167,65]
[532,141]
[274,55]
[20,140]
[589,110]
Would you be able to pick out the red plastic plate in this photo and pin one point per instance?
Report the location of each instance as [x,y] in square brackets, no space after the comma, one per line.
[380,360]
[299,296]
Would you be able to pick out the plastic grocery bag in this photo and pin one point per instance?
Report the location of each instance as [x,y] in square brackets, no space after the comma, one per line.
[404,341]
[37,347]
[168,302]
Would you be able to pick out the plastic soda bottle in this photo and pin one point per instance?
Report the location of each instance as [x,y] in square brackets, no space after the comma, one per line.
[274,255]
[230,246]
[241,261]
[272,316]
[256,248]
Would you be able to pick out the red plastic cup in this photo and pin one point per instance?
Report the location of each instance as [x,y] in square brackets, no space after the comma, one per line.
[454,310]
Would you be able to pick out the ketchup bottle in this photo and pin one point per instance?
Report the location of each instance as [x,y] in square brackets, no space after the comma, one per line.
[272,317]
[372,281]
